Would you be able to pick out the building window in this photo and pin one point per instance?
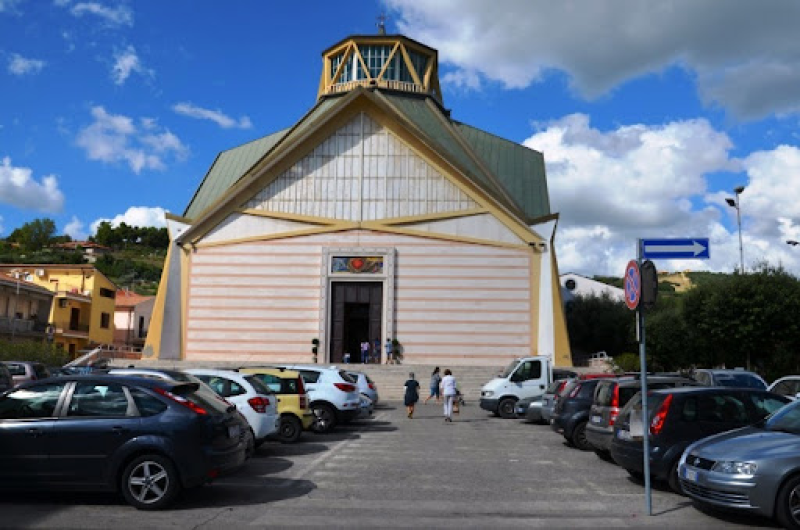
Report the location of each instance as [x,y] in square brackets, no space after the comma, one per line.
[108,293]
[357,264]
[105,320]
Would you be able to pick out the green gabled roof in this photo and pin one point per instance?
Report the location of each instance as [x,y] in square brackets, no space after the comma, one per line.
[521,170]
[510,173]
[229,166]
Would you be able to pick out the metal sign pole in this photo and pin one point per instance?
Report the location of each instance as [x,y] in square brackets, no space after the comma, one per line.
[643,376]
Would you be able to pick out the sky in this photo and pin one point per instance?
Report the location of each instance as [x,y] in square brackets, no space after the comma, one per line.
[649,114]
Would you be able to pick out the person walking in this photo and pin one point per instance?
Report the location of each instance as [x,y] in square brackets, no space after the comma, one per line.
[412,394]
[449,394]
[388,349]
[435,380]
[365,352]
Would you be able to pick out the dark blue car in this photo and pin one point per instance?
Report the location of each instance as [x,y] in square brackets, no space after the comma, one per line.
[146,438]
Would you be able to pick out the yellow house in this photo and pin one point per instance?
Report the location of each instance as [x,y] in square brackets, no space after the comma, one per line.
[82,313]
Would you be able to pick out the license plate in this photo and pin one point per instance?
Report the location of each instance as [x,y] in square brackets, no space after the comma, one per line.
[597,419]
[234,431]
[690,474]
[545,402]
[623,435]
[552,421]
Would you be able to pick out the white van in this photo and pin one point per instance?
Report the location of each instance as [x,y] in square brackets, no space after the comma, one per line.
[527,377]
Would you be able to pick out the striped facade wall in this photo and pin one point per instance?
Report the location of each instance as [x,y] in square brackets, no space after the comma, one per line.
[454,302]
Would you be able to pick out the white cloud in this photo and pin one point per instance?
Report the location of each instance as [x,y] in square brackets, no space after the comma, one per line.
[646,181]
[9,6]
[19,65]
[76,229]
[115,138]
[745,56]
[127,62]
[18,188]
[217,116]
[116,16]
[139,216]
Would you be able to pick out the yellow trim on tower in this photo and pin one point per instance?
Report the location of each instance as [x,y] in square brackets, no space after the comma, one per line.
[289,216]
[339,227]
[377,226]
[535,291]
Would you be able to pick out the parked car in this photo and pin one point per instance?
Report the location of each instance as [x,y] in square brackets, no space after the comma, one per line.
[571,412]
[157,373]
[296,416]
[254,400]
[365,385]
[680,416]
[24,371]
[6,380]
[553,392]
[530,409]
[727,377]
[333,395]
[146,438]
[788,386]
[755,469]
[522,378]
[609,398]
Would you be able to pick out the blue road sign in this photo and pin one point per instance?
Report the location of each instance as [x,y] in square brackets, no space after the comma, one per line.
[633,285]
[696,248]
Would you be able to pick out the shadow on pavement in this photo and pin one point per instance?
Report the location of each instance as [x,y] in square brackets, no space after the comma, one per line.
[242,491]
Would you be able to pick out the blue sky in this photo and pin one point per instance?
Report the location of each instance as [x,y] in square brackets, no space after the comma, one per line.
[648,113]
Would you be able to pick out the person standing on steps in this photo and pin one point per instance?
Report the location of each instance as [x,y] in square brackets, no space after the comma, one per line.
[388,348]
[412,394]
[365,352]
[435,380]
[449,394]
[376,352]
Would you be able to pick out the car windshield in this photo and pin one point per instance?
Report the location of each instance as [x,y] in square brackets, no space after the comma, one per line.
[509,369]
[741,381]
[786,419]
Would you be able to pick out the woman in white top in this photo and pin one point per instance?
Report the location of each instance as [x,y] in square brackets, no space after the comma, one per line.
[449,394]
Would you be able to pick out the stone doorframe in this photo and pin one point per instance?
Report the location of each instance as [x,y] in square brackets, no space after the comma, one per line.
[327,278]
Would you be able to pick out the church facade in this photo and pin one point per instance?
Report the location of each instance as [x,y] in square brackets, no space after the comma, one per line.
[375,217]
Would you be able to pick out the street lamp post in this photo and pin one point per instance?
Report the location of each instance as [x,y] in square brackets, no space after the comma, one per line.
[734,203]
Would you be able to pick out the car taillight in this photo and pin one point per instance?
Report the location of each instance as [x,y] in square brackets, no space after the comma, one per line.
[259,404]
[612,417]
[372,386]
[194,407]
[345,387]
[661,414]
[301,389]
[575,391]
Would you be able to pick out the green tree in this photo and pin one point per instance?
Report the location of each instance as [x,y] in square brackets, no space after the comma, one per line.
[34,235]
[599,323]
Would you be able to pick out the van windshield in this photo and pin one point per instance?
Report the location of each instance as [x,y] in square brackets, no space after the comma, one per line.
[509,369]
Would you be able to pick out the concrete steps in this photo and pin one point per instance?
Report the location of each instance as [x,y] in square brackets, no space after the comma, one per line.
[390,379]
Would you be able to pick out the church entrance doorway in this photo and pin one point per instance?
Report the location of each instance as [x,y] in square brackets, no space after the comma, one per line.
[356,311]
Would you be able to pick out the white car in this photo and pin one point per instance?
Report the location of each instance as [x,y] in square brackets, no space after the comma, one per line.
[367,408]
[333,395]
[365,385]
[788,386]
[257,403]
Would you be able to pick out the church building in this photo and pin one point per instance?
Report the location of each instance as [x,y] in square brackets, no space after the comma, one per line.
[375,217]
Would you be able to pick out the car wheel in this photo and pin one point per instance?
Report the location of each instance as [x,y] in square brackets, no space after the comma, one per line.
[787,506]
[324,418]
[150,482]
[249,444]
[673,480]
[506,408]
[290,429]
[579,437]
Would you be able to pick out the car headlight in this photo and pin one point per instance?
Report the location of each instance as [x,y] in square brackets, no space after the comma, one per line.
[735,468]
[488,393]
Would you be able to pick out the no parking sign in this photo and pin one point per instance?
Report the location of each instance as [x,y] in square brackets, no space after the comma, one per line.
[633,285]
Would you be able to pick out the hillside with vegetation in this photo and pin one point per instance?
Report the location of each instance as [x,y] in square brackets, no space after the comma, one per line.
[135,260]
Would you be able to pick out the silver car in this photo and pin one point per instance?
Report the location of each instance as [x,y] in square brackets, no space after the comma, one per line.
[365,385]
[754,469]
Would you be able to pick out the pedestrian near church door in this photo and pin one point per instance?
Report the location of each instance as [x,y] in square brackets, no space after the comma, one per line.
[355,309]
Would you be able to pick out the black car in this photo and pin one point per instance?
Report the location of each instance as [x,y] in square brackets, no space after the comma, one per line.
[610,396]
[147,438]
[571,412]
[678,417]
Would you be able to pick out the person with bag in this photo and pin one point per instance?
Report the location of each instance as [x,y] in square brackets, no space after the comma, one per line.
[449,394]
[412,394]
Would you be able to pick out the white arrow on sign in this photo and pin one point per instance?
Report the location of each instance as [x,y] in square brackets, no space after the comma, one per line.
[695,248]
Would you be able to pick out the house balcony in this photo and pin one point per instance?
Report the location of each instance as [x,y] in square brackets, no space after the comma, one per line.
[24,328]
[71,330]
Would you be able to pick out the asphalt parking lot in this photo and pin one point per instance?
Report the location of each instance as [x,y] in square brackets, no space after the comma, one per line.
[477,472]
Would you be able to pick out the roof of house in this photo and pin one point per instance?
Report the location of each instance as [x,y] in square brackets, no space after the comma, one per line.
[510,173]
[127,299]
[24,285]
